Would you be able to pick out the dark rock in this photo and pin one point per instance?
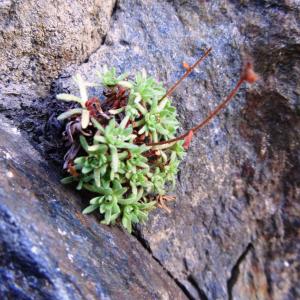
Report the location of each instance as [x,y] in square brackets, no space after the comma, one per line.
[234,229]
[49,250]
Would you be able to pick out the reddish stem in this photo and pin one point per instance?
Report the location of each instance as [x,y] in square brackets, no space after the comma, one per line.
[186,74]
[209,117]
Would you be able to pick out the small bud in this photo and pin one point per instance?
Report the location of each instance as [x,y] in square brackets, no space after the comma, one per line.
[186,65]
[188,139]
[249,75]
[72,170]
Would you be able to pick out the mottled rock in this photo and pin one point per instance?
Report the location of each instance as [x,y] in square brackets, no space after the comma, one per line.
[39,38]
[234,183]
[49,250]
[234,230]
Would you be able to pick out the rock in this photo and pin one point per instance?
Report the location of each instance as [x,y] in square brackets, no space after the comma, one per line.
[234,230]
[232,184]
[39,38]
[49,250]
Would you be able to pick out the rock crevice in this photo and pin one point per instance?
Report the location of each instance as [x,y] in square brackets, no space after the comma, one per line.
[240,180]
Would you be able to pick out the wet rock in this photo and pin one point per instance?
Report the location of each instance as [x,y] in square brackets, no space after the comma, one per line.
[39,38]
[234,230]
[49,250]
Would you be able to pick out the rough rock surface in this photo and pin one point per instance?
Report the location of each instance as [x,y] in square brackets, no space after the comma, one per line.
[48,250]
[39,38]
[234,229]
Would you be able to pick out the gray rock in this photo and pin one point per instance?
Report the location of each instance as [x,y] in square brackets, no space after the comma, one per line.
[39,38]
[49,250]
[234,229]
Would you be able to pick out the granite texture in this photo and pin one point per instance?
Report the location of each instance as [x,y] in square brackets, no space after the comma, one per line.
[39,38]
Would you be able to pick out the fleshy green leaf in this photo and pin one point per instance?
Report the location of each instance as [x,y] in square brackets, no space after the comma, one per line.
[126,222]
[97,148]
[97,125]
[90,209]
[85,118]
[114,159]
[69,113]
[67,180]
[84,143]
[97,177]
[68,97]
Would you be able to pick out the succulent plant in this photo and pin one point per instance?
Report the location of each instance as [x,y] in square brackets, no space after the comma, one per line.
[82,100]
[114,161]
[123,148]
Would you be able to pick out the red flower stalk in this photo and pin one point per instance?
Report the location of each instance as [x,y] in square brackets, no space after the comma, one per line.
[248,75]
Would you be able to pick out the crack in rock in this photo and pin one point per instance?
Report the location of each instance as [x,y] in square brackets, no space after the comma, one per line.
[146,246]
[235,271]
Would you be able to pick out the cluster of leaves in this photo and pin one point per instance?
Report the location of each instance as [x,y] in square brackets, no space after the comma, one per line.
[114,162]
[123,149]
